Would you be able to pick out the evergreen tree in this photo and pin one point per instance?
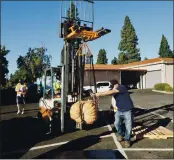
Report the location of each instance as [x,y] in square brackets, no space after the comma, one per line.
[145,58]
[73,12]
[102,58]
[128,44]
[114,61]
[164,50]
[3,65]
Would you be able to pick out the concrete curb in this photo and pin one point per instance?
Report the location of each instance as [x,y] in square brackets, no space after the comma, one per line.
[162,92]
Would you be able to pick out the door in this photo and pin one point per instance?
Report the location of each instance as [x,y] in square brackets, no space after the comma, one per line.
[152,78]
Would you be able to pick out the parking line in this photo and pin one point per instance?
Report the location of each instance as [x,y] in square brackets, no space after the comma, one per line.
[36,148]
[157,114]
[115,140]
[148,149]
[45,146]
[117,143]
[106,136]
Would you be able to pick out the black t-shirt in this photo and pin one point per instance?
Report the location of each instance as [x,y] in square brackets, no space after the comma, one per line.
[123,99]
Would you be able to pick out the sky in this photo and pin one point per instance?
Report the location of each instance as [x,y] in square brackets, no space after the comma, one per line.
[32,24]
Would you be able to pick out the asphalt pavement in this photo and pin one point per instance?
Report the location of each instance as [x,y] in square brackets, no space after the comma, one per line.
[22,136]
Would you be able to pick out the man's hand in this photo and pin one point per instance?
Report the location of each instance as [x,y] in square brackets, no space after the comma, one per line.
[95,94]
[92,94]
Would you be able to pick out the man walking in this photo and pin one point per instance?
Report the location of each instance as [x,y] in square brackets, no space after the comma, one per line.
[21,90]
[18,95]
[124,112]
[24,90]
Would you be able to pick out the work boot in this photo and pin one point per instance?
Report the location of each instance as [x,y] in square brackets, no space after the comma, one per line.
[120,138]
[127,144]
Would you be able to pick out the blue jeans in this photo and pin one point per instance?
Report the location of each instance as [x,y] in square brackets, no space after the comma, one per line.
[127,118]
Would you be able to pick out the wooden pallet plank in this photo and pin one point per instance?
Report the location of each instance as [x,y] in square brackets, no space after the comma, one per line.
[139,132]
[165,130]
[136,128]
[155,136]
[151,132]
[159,132]
[148,133]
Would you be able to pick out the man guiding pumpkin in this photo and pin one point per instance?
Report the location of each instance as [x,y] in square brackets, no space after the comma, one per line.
[124,110]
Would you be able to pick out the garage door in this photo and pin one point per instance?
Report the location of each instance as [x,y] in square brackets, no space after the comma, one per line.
[153,77]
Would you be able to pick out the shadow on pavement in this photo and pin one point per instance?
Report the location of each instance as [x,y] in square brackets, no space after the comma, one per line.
[22,134]
[75,149]
[151,125]
[26,110]
[139,111]
[149,121]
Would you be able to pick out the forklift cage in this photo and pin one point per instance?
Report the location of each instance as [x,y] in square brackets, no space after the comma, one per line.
[83,12]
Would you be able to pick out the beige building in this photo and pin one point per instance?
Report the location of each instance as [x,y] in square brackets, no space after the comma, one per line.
[143,74]
[159,70]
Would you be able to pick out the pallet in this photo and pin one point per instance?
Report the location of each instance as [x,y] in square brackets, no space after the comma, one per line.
[157,133]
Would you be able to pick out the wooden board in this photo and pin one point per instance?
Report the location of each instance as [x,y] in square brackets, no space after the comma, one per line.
[157,133]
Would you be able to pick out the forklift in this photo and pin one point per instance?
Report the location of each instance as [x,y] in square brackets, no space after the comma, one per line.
[50,103]
[76,29]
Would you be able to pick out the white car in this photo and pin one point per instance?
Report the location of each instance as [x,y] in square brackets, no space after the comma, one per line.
[101,86]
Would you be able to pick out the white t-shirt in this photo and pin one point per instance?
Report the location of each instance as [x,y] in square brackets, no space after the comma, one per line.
[114,105]
[18,89]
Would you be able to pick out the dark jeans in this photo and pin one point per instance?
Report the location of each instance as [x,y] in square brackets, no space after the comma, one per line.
[20,99]
[127,118]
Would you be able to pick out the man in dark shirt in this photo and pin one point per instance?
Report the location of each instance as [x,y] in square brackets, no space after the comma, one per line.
[124,112]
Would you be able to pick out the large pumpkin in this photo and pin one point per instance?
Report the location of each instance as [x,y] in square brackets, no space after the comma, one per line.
[75,112]
[84,111]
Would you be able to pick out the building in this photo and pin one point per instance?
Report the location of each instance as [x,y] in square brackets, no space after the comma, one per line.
[107,72]
[143,74]
[159,70]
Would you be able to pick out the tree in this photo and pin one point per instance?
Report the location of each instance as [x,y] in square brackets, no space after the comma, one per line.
[128,44]
[33,63]
[164,50]
[114,61]
[73,11]
[102,58]
[3,65]
[145,58]
[20,74]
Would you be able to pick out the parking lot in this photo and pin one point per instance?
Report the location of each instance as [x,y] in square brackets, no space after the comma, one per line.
[22,136]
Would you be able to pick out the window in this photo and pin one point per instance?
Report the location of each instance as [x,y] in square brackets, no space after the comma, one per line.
[99,85]
[106,84]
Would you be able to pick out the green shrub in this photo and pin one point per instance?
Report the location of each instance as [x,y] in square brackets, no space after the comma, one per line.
[168,89]
[161,86]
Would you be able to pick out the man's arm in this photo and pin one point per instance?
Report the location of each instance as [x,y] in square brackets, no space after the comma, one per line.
[107,93]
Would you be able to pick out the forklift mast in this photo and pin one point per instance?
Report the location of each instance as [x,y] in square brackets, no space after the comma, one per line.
[76,27]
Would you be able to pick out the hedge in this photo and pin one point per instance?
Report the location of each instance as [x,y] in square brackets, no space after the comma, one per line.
[168,89]
[163,87]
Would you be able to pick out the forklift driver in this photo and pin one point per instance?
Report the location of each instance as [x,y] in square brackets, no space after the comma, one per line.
[57,86]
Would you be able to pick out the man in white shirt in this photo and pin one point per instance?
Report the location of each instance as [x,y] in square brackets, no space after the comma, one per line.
[20,96]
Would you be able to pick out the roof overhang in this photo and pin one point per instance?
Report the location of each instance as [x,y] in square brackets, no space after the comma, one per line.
[117,69]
